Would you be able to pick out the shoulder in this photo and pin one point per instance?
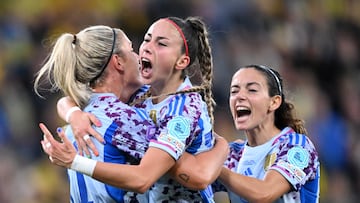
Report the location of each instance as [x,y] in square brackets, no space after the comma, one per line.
[293,139]
[236,149]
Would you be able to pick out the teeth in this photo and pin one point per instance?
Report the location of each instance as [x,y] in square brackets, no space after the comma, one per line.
[241,108]
[145,60]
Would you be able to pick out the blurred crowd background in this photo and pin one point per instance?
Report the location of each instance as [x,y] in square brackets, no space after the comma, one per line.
[314,44]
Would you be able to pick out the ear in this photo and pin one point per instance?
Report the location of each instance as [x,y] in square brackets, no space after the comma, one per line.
[275,102]
[182,62]
[118,62]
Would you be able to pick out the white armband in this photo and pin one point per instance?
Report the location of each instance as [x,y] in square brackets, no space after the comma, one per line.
[83,165]
[70,111]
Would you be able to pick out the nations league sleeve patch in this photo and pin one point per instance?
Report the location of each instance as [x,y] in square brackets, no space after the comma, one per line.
[179,127]
[298,157]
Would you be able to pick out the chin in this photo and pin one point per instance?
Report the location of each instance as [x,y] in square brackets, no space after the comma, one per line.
[146,81]
[240,126]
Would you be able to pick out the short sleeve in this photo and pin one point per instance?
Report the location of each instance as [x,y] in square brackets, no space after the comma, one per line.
[179,127]
[297,160]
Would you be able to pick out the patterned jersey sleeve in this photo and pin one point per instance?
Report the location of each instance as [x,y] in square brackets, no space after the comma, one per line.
[126,126]
[179,125]
[297,159]
[236,149]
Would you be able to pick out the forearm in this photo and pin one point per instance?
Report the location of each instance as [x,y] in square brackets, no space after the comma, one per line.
[127,177]
[197,172]
[136,178]
[243,186]
[253,189]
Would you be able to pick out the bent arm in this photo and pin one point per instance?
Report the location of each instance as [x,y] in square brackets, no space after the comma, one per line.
[255,190]
[137,178]
[197,172]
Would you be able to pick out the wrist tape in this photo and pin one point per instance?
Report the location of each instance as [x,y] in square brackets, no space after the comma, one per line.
[83,165]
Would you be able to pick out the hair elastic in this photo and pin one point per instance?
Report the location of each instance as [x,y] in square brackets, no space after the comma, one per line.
[181,33]
[108,60]
[74,40]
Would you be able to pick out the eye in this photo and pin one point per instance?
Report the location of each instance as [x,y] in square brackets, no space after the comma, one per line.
[252,90]
[146,39]
[162,44]
[233,91]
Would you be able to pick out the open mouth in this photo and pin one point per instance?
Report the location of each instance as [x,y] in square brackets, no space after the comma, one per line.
[146,67]
[242,111]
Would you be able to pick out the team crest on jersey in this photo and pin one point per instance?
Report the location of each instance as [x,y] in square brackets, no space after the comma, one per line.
[269,160]
[152,115]
[298,157]
[179,127]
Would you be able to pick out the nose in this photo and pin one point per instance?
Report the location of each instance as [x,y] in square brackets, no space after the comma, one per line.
[145,48]
[241,95]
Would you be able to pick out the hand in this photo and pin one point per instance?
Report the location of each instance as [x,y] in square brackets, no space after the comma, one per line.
[81,125]
[61,154]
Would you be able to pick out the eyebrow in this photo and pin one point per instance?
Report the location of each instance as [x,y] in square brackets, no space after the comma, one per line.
[247,85]
[157,38]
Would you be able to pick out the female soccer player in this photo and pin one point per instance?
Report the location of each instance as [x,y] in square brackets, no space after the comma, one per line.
[277,162]
[170,46]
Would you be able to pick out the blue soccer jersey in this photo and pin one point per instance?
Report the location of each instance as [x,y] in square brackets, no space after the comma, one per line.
[291,154]
[123,128]
[182,124]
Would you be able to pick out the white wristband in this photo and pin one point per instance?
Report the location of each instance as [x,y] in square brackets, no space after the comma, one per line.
[70,111]
[83,165]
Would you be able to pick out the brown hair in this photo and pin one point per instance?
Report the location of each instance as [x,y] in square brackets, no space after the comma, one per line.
[285,115]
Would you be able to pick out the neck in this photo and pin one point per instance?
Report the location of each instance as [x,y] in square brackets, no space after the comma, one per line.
[261,134]
[120,88]
[162,89]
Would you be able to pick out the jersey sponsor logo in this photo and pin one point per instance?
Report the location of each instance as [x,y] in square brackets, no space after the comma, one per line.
[299,157]
[173,141]
[179,127]
[269,160]
[295,171]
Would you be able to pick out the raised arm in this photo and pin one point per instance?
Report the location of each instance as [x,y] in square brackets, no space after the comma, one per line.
[81,124]
[137,178]
[198,171]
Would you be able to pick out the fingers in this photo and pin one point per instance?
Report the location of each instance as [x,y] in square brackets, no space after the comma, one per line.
[90,144]
[81,145]
[47,145]
[47,134]
[94,120]
[86,137]
[96,135]
[63,137]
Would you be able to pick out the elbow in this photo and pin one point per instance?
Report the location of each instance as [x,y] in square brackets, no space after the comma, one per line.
[141,185]
[205,182]
[201,186]
[141,190]
[201,182]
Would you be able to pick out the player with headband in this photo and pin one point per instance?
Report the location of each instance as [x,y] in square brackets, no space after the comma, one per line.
[277,162]
[181,117]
